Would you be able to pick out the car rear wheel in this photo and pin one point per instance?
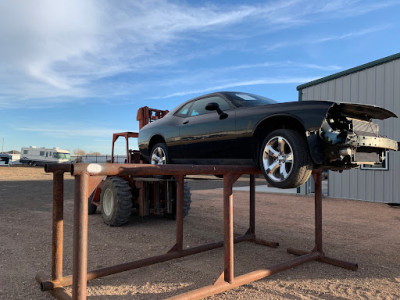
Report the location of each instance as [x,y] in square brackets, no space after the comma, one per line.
[159,154]
[284,159]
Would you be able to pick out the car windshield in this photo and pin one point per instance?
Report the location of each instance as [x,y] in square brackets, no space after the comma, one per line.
[248,100]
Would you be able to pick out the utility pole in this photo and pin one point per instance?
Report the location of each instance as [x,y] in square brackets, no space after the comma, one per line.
[2,147]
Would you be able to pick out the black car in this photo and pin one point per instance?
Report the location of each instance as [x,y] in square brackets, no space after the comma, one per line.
[286,140]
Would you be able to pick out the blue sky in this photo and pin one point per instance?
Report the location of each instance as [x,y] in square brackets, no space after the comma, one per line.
[72,72]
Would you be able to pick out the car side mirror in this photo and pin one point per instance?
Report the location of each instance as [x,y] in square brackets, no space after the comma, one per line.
[215,106]
[212,106]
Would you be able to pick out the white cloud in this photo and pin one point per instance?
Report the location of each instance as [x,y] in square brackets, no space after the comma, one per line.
[73,131]
[283,64]
[330,38]
[59,48]
[261,81]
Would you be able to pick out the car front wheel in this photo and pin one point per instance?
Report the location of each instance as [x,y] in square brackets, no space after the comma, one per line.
[284,159]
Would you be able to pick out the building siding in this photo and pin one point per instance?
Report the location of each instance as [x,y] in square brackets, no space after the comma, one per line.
[377,85]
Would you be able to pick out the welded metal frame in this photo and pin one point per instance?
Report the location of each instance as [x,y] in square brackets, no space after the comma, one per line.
[226,281]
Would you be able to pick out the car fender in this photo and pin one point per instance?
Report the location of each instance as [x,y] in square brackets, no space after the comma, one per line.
[268,124]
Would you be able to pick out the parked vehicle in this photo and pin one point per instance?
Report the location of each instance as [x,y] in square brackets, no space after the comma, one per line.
[40,156]
[285,140]
[5,158]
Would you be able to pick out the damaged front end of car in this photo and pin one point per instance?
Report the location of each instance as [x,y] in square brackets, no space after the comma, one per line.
[348,138]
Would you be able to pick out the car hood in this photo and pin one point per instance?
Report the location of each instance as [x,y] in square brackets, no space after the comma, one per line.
[362,111]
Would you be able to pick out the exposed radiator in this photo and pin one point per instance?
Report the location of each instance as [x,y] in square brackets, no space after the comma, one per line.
[365,127]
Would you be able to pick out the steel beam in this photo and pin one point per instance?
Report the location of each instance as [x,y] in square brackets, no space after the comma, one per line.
[79,267]
[317,175]
[58,226]
[152,170]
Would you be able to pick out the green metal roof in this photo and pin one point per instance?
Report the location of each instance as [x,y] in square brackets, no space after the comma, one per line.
[350,71]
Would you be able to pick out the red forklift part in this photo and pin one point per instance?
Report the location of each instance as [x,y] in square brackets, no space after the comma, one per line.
[126,135]
[146,115]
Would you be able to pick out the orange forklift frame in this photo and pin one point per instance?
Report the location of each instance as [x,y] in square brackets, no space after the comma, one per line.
[83,174]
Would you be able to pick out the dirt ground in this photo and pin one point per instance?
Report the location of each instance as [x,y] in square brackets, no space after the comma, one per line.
[365,233]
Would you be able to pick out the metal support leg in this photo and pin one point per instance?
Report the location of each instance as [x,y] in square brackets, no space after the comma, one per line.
[318,210]
[252,225]
[229,180]
[79,268]
[179,213]
[317,175]
[58,226]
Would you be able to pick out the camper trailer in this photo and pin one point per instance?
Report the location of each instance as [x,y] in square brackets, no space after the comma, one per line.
[39,156]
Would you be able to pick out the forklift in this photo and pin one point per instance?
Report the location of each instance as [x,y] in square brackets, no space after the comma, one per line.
[118,196]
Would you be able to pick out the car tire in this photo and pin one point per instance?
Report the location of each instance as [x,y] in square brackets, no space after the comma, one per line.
[284,159]
[116,201]
[159,154]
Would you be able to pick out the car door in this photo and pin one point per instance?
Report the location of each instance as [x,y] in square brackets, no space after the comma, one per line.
[204,135]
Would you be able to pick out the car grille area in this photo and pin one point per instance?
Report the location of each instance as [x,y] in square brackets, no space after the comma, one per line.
[366,128]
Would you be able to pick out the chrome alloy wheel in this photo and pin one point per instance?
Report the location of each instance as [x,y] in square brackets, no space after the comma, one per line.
[108,202]
[278,159]
[158,157]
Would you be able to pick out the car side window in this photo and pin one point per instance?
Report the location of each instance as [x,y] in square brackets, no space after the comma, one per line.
[184,110]
[199,106]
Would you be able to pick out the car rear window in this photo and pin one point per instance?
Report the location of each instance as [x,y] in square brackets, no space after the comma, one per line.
[247,100]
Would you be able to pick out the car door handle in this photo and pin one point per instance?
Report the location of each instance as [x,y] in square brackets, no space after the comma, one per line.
[186,121]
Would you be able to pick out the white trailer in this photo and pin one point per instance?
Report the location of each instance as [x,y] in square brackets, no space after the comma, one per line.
[39,156]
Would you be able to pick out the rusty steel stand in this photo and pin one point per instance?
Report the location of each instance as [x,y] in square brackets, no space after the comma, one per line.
[84,178]
[229,281]
[85,175]
[317,175]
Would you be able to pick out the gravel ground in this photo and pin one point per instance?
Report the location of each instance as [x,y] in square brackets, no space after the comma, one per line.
[365,233]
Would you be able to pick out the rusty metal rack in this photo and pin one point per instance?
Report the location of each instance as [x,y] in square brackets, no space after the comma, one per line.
[85,175]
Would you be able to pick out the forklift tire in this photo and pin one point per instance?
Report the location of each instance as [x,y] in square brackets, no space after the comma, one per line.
[91,207]
[187,200]
[116,201]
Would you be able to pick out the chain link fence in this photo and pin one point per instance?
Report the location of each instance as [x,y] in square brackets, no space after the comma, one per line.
[119,159]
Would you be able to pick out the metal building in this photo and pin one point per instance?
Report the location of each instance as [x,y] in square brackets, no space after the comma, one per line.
[376,83]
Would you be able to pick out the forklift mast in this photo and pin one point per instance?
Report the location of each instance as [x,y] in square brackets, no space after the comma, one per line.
[145,115]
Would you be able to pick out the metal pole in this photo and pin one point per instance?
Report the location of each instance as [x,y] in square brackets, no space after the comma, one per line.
[318,209]
[228,229]
[79,268]
[128,157]
[179,212]
[58,224]
[252,228]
